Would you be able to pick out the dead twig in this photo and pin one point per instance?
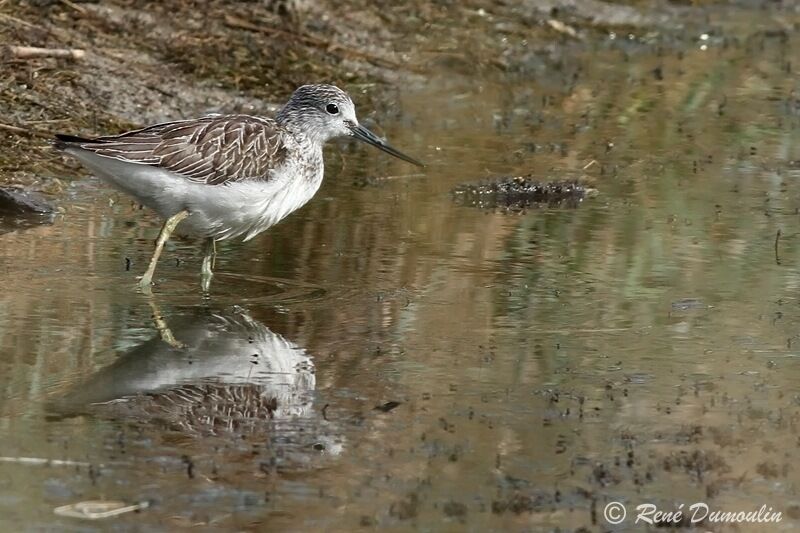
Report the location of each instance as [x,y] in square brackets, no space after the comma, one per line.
[25,131]
[20,22]
[75,6]
[31,52]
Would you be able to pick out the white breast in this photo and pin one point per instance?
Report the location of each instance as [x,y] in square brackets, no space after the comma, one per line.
[247,208]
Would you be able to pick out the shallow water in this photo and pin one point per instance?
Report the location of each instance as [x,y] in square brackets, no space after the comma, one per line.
[640,348]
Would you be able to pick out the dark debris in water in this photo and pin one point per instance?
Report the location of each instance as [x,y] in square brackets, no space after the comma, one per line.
[696,463]
[23,209]
[14,201]
[405,508]
[516,193]
[386,407]
[519,503]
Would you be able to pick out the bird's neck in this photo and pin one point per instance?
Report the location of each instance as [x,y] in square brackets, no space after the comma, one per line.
[292,120]
[304,151]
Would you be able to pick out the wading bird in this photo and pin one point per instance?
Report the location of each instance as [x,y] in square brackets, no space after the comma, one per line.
[225,176]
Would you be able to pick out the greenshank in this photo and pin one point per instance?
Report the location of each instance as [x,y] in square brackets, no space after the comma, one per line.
[224,176]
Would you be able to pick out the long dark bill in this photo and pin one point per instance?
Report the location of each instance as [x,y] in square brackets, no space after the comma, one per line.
[363,134]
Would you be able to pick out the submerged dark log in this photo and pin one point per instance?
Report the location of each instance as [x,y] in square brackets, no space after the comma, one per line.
[20,209]
[15,201]
[519,192]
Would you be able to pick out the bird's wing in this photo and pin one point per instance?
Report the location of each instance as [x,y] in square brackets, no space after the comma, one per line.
[214,150]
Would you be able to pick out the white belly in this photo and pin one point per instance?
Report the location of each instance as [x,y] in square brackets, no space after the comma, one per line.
[220,211]
[244,208]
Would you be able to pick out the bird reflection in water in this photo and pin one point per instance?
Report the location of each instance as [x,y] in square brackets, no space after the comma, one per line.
[210,374]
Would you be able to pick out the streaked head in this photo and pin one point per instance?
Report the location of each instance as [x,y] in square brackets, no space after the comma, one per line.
[324,112]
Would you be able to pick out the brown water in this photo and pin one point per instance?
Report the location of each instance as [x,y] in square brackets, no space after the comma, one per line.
[640,348]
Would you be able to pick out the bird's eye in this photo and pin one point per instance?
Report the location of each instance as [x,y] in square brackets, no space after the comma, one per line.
[332,109]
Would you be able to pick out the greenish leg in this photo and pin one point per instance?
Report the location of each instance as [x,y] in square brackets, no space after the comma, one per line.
[166,230]
[209,256]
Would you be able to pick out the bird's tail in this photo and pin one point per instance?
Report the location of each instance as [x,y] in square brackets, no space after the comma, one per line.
[62,141]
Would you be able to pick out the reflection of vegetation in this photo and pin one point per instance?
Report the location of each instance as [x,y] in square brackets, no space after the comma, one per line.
[681,167]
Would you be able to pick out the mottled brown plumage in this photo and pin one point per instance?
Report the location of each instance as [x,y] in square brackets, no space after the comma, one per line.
[204,409]
[213,150]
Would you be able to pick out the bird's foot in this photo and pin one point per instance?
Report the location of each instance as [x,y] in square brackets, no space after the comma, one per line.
[163,327]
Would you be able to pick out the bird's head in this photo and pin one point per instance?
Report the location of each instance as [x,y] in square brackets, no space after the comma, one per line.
[324,112]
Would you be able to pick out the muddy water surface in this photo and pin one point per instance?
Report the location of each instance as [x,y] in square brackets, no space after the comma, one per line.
[433,366]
